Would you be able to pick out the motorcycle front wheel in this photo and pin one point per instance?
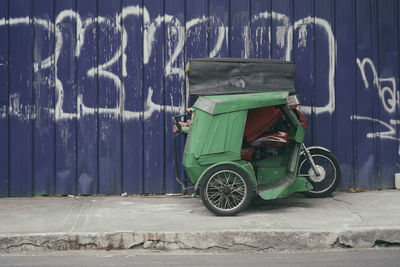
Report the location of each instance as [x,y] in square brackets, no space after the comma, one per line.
[329,172]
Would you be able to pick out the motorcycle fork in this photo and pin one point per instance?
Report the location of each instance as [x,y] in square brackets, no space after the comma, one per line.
[310,159]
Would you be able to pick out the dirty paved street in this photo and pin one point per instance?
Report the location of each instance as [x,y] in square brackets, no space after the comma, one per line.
[373,257]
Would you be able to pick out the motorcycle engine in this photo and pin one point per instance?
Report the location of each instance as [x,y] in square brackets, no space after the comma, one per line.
[267,152]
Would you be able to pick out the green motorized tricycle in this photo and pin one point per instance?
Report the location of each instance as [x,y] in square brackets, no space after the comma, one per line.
[246,136]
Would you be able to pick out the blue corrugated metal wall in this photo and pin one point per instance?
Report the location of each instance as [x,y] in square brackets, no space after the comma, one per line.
[87,87]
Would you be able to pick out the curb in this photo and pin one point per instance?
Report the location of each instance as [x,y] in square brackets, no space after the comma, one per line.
[255,240]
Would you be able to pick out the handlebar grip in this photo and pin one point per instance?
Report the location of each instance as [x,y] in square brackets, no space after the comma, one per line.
[177,124]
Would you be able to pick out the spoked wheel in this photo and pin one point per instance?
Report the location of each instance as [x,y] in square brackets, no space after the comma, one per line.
[329,172]
[226,190]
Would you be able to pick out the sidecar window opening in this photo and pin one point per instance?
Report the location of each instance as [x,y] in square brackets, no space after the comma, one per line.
[266,127]
[260,120]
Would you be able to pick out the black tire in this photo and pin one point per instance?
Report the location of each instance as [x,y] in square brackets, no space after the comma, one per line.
[226,190]
[330,177]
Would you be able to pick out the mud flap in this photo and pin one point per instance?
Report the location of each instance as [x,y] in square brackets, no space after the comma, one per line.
[284,187]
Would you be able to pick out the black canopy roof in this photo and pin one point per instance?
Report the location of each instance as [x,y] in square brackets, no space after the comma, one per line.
[216,76]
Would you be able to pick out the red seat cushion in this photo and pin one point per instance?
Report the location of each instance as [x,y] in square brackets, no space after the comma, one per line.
[271,139]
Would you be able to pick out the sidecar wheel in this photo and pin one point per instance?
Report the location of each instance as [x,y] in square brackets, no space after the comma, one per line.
[226,190]
[330,174]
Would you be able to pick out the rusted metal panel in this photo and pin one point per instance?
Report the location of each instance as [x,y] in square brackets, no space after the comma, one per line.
[154,92]
[366,112]
[388,73]
[219,28]
[21,98]
[132,132]
[4,96]
[87,101]
[65,111]
[44,93]
[323,123]
[344,144]
[260,26]
[239,29]
[303,46]
[174,82]
[110,95]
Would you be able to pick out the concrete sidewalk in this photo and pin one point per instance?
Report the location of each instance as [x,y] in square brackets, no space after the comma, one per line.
[359,220]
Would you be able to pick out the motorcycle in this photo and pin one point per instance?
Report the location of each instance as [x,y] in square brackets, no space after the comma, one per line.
[246,136]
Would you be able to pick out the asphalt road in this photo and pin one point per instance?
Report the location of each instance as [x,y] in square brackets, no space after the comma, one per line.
[373,257]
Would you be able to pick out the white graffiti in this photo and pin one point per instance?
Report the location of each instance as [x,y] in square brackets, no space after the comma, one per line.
[389,97]
[301,25]
[103,70]
[330,106]
[389,133]
[284,36]
[302,38]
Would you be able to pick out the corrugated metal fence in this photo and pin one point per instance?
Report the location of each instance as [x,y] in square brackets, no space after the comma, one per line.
[87,87]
